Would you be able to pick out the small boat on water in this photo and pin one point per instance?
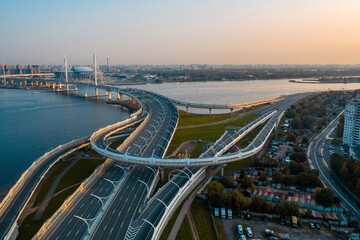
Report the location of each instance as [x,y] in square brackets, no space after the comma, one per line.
[35,92]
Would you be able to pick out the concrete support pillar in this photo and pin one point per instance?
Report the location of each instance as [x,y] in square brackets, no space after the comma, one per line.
[53,86]
[121,97]
[96,91]
[118,96]
[187,110]
[20,83]
[32,83]
[209,111]
[134,101]
[12,81]
[222,171]
[41,83]
[25,83]
[109,93]
[231,111]
[36,83]
[162,173]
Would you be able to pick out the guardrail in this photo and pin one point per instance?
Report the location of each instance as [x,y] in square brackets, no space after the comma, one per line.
[176,201]
[29,172]
[63,210]
[216,160]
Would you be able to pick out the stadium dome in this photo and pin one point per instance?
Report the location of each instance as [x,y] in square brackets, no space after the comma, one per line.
[81,69]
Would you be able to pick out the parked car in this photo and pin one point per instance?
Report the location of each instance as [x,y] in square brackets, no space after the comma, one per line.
[242,237]
[273,238]
[317,226]
[301,224]
[269,232]
[282,221]
[249,232]
[312,225]
[240,229]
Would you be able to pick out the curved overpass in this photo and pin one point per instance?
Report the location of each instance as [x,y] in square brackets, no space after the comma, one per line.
[250,150]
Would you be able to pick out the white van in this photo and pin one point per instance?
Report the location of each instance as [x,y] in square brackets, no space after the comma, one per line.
[240,229]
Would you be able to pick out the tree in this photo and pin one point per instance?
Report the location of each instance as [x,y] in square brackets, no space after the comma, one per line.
[325,197]
[307,121]
[225,198]
[308,214]
[214,193]
[308,179]
[291,136]
[259,204]
[277,177]
[263,177]
[228,182]
[296,168]
[296,122]
[305,140]
[289,180]
[247,181]
[238,201]
[357,189]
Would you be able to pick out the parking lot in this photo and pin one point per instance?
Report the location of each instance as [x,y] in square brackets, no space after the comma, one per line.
[281,231]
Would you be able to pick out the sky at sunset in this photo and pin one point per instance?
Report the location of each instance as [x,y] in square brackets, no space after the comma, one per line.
[181,32]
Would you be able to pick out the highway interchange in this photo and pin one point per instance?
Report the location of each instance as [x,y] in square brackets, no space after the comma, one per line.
[116,205]
[122,219]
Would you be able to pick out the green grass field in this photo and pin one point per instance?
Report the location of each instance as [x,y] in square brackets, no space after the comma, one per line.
[198,150]
[220,228]
[170,224]
[30,227]
[202,216]
[46,186]
[185,232]
[81,170]
[233,166]
[210,133]
[116,144]
[195,119]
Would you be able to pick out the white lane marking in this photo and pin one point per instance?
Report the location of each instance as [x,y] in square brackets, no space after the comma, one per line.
[105,227]
[77,232]
[68,233]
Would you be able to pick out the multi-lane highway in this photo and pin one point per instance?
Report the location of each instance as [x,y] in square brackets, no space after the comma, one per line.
[11,210]
[321,162]
[150,139]
[127,203]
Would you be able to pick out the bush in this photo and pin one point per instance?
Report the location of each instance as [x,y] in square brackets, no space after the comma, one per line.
[325,197]
[228,182]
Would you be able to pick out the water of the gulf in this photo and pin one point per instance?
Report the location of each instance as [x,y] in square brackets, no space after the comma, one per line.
[33,123]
